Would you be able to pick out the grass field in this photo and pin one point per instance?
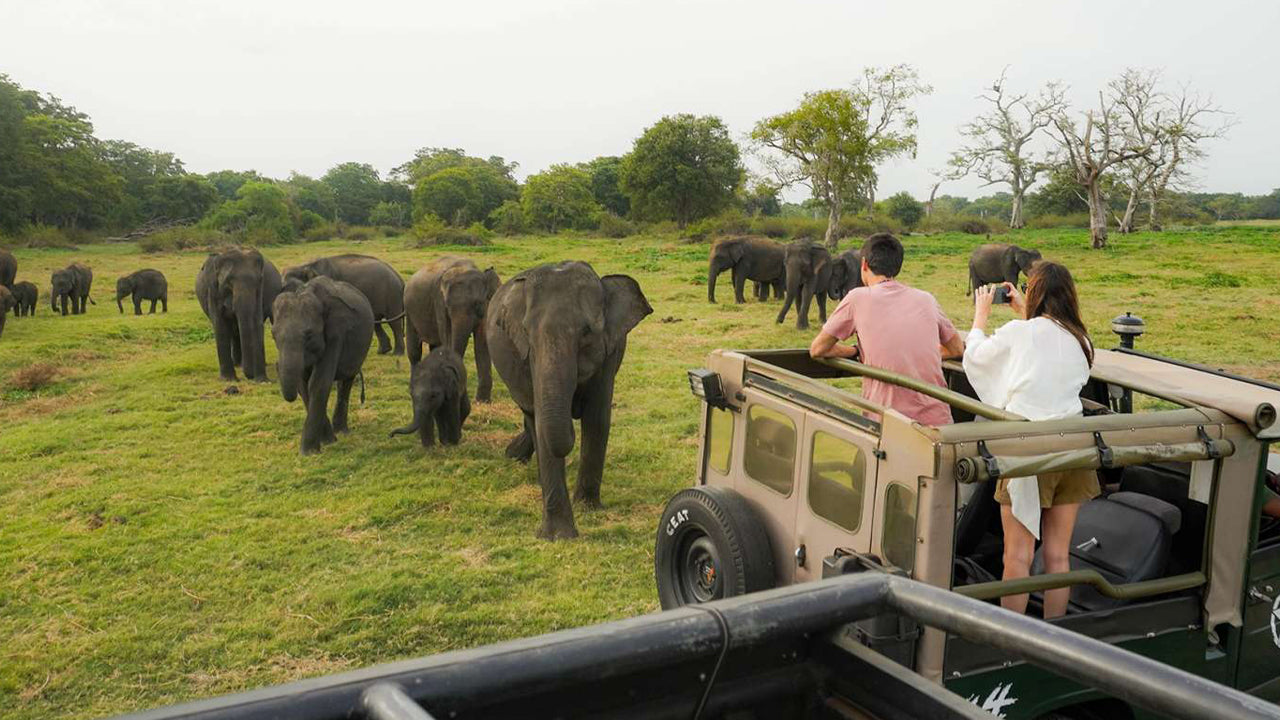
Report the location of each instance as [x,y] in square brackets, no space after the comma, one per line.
[162,540]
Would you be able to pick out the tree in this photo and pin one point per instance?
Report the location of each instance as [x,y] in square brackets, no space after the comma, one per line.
[884,97]
[557,198]
[604,172]
[180,197]
[761,198]
[393,214]
[228,182]
[428,161]
[904,208]
[1060,195]
[356,189]
[260,210]
[997,143]
[449,194]
[309,194]
[1107,140]
[683,167]
[822,144]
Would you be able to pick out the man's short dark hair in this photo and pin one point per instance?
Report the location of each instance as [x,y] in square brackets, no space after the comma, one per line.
[883,253]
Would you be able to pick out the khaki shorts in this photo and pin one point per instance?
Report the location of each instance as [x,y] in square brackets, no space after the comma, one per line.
[1059,488]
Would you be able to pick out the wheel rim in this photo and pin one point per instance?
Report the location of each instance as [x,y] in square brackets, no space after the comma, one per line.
[698,577]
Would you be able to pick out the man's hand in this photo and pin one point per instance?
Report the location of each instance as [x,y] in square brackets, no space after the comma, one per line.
[826,345]
[953,349]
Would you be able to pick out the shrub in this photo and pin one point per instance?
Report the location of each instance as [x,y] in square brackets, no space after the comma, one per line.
[431,230]
[1074,220]
[34,377]
[308,220]
[612,226]
[184,238]
[905,209]
[508,218]
[774,227]
[320,232]
[360,233]
[559,198]
[393,214]
[729,222]
[861,226]
[45,236]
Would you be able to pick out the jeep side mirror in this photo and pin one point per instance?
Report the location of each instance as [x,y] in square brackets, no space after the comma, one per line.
[706,384]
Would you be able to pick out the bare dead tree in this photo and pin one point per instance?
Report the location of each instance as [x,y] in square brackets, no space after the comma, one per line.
[884,96]
[1192,120]
[998,143]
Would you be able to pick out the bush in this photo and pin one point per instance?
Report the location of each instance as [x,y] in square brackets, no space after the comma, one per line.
[559,198]
[508,218]
[46,236]
[360,233]
[904,208]
[393,214]
[861,226]
[1074,220]
[612,226]
[967,224]
[34,377]
[729,222]
[308,220]
[431,230]
[184,238]
[774,227]
[320,232]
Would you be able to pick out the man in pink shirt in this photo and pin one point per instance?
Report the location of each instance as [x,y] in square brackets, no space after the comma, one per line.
[899,328]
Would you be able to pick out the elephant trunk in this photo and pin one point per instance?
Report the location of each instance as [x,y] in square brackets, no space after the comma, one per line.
[554,382]
[248,309]
[413,426]
[290,371]
[712,273]
[462,322]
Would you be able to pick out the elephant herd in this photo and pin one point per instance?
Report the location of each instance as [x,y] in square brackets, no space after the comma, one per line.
[556,334]
[804,270]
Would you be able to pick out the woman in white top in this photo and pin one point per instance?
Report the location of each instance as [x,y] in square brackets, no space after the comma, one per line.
[1035,367]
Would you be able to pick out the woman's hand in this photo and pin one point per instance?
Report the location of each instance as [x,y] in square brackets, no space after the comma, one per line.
[982,298]
[1017,300]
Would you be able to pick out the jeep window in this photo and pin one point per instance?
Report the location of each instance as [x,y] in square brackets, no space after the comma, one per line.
[899,539]
[770,454]
[719,439]
[837,478]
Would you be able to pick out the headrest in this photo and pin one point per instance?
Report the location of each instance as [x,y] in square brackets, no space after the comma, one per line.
[1166,513]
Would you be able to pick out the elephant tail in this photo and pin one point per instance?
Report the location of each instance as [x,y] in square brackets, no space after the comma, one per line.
[91,302]
[390,320]
[361,386]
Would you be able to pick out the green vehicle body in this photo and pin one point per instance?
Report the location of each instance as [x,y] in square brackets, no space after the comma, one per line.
[1220,621]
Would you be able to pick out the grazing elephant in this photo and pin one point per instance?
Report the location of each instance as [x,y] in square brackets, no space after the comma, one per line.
[381,284]
[71,283]
[6,301]
[8,268]
[445,304]
[234,288]
[753,259]
[999,262]
[26,295]
[438,387]
[808,276]
[846,274]
[322,332]
[558,334]
[143,285]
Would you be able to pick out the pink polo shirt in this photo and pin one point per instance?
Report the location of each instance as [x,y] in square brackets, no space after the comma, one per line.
[899,328]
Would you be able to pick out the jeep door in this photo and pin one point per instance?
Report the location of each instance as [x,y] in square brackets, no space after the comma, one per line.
[836,491]
[771,431]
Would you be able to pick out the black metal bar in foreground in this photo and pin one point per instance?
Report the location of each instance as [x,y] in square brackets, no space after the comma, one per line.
[767,650]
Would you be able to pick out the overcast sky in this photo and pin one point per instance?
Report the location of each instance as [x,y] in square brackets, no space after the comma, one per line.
[281,85]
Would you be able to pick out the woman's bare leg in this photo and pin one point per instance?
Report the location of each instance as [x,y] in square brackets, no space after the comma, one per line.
[1056,524]
[1019,548]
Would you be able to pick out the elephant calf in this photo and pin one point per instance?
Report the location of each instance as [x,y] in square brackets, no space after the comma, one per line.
[999,262]
[808,276]
[26,294]
[438,386]
[445,305]
[143,285]
[71,283]
[846,274]
[6,301]
[322,332]
[755,259]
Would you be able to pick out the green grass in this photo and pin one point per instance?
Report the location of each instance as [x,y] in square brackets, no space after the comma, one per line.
[163,540]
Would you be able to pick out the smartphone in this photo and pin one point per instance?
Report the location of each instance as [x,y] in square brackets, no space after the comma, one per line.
[1000,296]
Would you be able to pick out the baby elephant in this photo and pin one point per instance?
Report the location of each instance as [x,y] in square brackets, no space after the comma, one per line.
[71,283]
[322,332]
[143,285]
[438,386]
[6,301]
[26,294]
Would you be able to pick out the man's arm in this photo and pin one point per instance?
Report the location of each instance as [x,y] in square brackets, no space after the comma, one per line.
[826,345]
[953,348]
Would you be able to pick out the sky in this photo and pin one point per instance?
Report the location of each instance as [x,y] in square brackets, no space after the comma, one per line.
[301,85]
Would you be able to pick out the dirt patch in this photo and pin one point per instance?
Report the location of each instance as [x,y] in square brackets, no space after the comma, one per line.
[34,377]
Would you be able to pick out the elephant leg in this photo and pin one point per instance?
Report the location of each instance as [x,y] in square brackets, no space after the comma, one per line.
[137,304]
[318,430]
[397,330]
[597,415]
[63,301]
[224,337]
[340,408]
[739,284]
[802,309]
[236,356]
[384,342]
[521,446]
[779,289]
[413,344]
[793,290]
[822,307]
[153,307]
[557,511]
[484,373]
[427,432]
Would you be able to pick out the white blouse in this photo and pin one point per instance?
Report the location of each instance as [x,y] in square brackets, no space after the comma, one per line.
[1033,368]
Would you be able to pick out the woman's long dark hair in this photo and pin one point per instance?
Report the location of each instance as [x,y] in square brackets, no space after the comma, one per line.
[1051,292]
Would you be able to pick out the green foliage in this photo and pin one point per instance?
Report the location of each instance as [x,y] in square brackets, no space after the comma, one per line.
[605,173]
[612,226]
[559,198]
[428,161]
[463,194]
[1061,195]
[729,222]
[393,214]
[45,236]
[430,230]
[508,218]
[905,209]
[307,220]
[308,194]
[760,198]
[228,182]
[682,168]
[184,238]
[260,213]
[180,197]
[1214,279]
[356,189]
[967,224]
[1074,220]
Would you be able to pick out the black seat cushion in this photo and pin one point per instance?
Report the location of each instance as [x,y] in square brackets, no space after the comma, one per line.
[1171,482]
[1125,540]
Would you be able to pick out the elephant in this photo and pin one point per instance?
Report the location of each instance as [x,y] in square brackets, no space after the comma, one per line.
[26,295]
[8,268]
[236,289]
[808,276]
[438,387]
[558,334]
[846,274]
[143,285]
[6,301]
[999,262]
[756,259]
[72,282]
[381,284]
[445,303]
[322,332]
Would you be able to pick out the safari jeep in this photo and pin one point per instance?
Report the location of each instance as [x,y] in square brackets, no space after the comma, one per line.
[800,478]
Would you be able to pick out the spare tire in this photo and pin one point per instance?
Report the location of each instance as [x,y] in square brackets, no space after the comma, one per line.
[711,545]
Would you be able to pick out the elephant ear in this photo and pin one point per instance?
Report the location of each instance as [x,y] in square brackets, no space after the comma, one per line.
[737,249]
[624,307]
[491,283]
[330,293]
[511,315]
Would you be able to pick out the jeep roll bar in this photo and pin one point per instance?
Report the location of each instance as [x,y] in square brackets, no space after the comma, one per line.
[1052,581]
[988,467]
[701,661]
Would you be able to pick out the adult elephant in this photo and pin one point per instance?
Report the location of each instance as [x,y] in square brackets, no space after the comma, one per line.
[808,276]
[846,274]
[755,259]
[235,288]
[27,295]
[142,285]
[558,334]
[381,284]
[445,304]
[8,268]
[322,332]
[999,262]
[71,283]
[6,301]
